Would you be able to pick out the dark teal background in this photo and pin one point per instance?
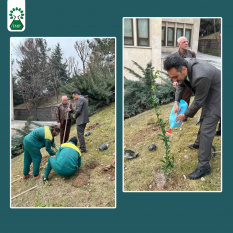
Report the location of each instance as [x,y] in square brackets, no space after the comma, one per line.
[135,212]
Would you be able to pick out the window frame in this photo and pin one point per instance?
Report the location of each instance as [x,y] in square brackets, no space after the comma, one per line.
[145,39]
[128,37]
[173,36]
[164,36]
[181,35]
[189,40]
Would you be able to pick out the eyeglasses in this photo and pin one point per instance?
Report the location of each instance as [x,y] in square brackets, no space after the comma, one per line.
[184,42]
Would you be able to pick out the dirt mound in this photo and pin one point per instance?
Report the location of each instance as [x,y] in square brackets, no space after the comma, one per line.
[109,170]
[92,126]
[81,180]
[161,183]
[84,174]
[91,165]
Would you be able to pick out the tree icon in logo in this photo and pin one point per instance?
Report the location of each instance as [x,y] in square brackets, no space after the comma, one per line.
[16,14]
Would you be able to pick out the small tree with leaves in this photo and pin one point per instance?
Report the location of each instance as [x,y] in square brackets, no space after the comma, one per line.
[168,160]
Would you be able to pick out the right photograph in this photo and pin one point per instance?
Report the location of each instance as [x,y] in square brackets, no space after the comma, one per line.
[172,69]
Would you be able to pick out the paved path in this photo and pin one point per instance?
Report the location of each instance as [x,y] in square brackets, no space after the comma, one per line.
[15,122]
[214,60]
[20,124]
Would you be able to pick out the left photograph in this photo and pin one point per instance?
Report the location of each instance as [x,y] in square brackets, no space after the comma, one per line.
[62,122]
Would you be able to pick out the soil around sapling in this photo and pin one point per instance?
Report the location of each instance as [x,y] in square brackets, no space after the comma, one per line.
[161,182]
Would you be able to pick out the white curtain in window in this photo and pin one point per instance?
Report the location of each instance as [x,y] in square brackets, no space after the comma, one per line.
[170,34]
[179,33]
[188,34]
[143,28]
[128,28]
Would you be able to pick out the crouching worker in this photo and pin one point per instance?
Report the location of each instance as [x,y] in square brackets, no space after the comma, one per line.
[33,142]
[67,160]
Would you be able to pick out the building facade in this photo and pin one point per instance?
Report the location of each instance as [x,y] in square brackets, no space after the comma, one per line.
[145,39]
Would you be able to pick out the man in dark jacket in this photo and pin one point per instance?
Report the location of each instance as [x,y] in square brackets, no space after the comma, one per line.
[205,81]
[81,116]
[64,110]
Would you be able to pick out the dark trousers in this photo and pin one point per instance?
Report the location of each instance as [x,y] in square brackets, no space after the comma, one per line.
[205,136]
[63,125]
[187,93]
[80,132]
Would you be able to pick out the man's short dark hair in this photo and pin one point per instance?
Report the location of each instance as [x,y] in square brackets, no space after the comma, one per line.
[76,91]
[174,61]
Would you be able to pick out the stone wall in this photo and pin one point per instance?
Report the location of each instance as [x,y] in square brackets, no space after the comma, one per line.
[43,114]
[210,46]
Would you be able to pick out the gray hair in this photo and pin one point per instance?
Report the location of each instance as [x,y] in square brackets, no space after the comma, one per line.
[178,40]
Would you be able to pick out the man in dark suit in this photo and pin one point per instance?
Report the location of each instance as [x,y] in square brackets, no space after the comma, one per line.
[81,117]
[205,81]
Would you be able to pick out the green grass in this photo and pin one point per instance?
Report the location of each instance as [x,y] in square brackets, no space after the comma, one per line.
[139,173]
[59,192]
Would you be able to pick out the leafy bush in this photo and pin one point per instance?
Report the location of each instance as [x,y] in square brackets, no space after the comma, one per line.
[99,86]
[147,73]
[17,138]
[165,92]
[136,98]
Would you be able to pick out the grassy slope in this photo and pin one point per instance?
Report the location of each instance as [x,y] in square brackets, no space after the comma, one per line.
[59,192]
[139,173]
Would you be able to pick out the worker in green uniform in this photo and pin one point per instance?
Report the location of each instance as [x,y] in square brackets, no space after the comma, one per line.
[33,142]
[67,161]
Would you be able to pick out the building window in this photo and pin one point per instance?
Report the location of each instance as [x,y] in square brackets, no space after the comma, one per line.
[128,31]
[163,35]
[179,33]
[188,35]
[170,36]
[143,32]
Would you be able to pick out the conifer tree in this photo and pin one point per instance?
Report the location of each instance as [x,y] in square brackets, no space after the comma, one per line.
[58,74]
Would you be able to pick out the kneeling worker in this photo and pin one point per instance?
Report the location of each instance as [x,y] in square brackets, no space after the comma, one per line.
[67,160]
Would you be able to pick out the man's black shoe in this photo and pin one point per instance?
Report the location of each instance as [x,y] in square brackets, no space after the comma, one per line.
[193,146]
[199,173]
[83,151]
[218,133]
[44,179]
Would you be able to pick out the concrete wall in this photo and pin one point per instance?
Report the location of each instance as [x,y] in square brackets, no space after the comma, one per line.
[143,55]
